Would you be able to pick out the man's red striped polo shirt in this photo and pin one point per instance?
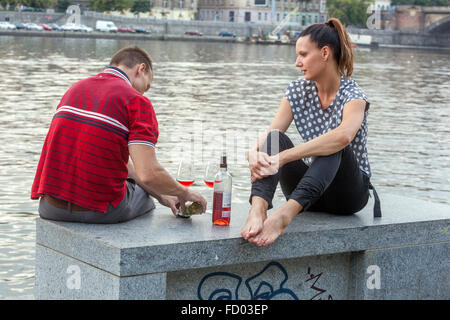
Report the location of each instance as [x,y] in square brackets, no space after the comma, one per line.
[85,154]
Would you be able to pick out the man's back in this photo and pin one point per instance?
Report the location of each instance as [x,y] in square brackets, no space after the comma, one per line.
[85,153]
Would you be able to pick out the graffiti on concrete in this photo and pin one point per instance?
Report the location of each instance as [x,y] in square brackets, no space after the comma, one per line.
[268,284]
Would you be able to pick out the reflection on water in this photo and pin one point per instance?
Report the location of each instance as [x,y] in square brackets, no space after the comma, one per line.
[206,94]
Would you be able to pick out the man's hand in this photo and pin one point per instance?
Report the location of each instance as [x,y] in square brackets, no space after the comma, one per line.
[170,202]
[193,196]
[262,165]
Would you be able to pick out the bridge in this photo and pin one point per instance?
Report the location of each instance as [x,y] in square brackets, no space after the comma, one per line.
[432,20]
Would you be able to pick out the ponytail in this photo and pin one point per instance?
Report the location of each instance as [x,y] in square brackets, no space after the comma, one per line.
[333,34]
[345,62]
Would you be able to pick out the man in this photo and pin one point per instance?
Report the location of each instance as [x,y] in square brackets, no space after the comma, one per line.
[84,173]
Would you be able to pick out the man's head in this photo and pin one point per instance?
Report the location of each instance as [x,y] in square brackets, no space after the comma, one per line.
[137,64]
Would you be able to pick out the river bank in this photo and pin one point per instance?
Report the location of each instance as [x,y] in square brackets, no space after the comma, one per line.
[174,37]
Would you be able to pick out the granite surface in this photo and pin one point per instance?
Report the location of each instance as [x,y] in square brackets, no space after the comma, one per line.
[159,242]
[61,277]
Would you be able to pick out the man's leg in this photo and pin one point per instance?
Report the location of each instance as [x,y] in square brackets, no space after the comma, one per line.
[136,202]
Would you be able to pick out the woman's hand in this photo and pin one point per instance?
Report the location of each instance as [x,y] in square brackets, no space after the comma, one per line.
[262,165]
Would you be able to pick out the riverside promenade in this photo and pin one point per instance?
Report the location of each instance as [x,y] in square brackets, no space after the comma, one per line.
[114,36]
[174,30]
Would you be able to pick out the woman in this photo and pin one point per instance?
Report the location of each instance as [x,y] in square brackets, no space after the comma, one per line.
[330,172]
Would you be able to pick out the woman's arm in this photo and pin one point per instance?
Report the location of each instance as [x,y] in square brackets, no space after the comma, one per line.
[281,122]
[332,141]
[260,160]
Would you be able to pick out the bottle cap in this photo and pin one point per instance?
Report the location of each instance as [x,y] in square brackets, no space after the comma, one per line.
[223,160]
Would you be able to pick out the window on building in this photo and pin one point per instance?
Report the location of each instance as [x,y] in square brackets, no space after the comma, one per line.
[265,16]
[181,3]
[165,3]
[248,16]
[259,16]
[278,17]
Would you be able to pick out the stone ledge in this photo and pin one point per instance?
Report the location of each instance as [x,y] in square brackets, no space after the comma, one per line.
[159,242]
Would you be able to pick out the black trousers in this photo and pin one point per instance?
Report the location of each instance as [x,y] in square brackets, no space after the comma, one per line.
[332,183]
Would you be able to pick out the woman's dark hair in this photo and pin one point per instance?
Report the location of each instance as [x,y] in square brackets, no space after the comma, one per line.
[333,34]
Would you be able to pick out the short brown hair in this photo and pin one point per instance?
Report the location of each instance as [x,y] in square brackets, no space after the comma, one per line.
[131,56]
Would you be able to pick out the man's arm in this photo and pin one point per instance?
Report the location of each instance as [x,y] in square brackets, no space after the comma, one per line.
[132,174]
[154,179]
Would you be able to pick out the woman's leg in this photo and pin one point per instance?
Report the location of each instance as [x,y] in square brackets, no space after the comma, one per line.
[348,192]
[332,184]
[263,190]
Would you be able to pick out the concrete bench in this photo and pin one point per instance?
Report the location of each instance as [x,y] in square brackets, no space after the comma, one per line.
[403,255]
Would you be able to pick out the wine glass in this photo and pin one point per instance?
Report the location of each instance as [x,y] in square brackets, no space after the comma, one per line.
[185,174]
[185,177]
[210,172]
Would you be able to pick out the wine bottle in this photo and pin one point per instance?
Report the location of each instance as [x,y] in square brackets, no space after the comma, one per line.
[222,195]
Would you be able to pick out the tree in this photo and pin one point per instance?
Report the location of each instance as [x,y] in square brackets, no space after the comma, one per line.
[141,6]
[111,5]
[63,5]
[427,3]
[349,12]
[41,4]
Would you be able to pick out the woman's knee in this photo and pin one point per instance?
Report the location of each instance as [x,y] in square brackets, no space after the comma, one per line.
[276,141]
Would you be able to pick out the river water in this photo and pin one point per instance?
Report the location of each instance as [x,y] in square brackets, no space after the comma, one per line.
[209,97]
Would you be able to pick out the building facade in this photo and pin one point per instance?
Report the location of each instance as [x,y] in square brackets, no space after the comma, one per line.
[175,9]
[261,11]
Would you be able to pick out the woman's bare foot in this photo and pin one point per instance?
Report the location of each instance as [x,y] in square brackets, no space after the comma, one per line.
[276,223]
[256,217]
[273,228]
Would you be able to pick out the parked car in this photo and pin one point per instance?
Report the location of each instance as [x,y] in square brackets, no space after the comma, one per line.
[21,26]
[33,26]
[140,30]
[225,33]
[84,28]
[54,26]
[105,26]
[4,25]
[126,30]
[46,27]
[193,33]
[31,9]
[69,27]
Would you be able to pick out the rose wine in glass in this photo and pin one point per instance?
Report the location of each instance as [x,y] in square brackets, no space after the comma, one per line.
[185,173]
[211,170]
